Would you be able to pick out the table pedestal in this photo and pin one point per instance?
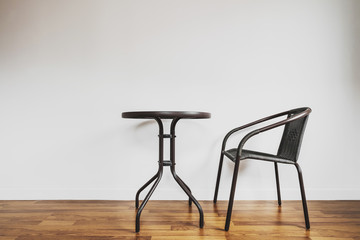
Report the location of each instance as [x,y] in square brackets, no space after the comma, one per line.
[157,177]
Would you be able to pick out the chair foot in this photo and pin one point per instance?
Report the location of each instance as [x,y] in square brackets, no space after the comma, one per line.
[227,227]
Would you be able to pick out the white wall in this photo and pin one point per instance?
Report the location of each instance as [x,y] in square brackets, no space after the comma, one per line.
[69,68]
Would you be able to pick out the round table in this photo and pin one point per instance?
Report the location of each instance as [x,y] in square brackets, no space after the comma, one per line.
[158,116]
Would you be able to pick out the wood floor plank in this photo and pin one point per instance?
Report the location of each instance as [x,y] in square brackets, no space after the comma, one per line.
[175,220]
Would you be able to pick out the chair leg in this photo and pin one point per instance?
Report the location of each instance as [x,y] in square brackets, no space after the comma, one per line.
[302,189]
[232,195]
[277,183]
[218,177]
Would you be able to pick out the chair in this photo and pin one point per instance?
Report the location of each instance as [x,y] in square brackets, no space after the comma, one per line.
[288,151]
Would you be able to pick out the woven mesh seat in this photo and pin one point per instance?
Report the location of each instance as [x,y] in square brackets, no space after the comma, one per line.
[294,124]
[248,154]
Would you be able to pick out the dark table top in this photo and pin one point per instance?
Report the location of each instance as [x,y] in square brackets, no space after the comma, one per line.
[166,114]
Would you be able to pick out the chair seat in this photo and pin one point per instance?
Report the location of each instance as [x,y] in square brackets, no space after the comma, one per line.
[248,154]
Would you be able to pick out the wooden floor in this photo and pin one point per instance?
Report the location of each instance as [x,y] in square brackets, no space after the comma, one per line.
[160,220]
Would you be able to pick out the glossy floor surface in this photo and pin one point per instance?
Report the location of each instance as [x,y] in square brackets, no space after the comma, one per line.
[175,220]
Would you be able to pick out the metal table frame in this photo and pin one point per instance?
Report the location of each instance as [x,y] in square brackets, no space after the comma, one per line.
[158,116]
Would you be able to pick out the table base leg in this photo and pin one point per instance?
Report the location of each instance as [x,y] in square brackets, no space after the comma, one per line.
[146,199]
[142,188]
[183,186]
[187,190]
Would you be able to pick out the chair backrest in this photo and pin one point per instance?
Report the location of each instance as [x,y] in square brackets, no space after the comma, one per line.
[290,144]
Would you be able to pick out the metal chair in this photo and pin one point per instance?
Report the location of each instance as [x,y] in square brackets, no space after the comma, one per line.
[288,151]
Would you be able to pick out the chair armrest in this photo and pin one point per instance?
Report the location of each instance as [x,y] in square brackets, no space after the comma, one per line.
[251,124]
[271,126]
